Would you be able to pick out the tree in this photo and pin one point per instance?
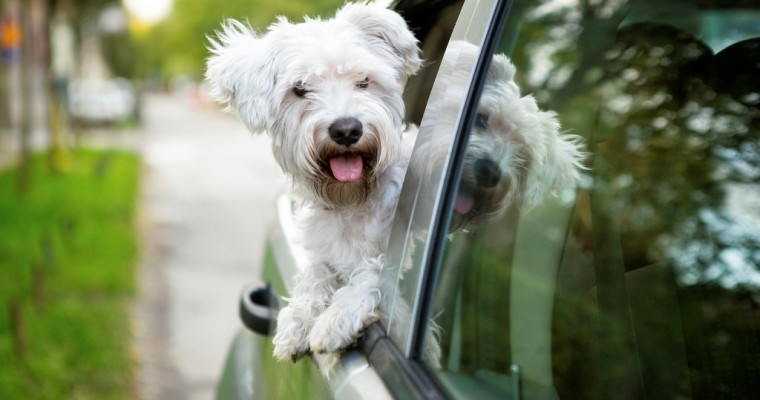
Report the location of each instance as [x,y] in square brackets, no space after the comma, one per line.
[178,45]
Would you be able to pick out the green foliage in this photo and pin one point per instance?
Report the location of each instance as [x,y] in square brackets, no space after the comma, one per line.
[76,230]
[178,45]
[120,53]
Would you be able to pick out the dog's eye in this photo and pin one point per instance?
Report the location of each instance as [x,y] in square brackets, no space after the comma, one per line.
[481,120]
[363,84]
[299,90]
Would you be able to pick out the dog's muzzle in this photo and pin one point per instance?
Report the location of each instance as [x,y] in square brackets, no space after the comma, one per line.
[345,131]
[474,193]
[487,172]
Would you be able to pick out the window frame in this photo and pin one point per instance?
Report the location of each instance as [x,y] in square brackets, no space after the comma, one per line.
[439,228]
[399,364]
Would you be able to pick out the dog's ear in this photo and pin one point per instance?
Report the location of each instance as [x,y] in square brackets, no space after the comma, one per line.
[556,159]
[502,70]
[388,29]
[240,75]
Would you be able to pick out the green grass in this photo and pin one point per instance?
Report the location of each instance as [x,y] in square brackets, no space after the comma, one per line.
[76,229]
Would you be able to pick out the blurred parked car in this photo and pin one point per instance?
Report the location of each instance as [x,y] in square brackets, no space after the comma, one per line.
[642,283]
[102,101]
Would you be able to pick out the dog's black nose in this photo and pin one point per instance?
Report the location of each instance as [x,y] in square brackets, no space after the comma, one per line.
[487,172]
[345,131]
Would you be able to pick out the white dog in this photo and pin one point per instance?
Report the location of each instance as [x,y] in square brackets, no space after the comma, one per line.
[329,94]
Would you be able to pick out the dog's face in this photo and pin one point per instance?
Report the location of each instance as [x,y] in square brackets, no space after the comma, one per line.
[497,159]
[327,91]
[515,156]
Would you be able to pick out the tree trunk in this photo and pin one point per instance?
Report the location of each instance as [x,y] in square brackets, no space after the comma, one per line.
[18,327]
[24,167]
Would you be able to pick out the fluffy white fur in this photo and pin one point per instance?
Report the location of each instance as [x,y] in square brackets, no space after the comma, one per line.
[294,81]
[516,155]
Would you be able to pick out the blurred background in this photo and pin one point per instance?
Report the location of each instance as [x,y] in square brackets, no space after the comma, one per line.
[132,209]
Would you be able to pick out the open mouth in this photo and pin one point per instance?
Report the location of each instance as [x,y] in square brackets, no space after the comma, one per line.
[464,203]
[348,167]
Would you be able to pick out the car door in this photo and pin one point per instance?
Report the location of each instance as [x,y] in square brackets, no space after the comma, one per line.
[640,282]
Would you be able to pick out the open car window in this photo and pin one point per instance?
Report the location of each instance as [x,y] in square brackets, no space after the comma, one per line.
[642,277]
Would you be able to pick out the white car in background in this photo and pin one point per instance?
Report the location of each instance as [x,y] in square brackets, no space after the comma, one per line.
[102,101]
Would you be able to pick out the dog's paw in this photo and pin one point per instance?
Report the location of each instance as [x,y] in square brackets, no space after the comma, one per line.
[289,348]
[329,337]
[335,330]
[290,340]
[432,349]
[289,352]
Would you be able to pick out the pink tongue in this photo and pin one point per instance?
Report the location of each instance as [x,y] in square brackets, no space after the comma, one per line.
[464,204]
[346,168]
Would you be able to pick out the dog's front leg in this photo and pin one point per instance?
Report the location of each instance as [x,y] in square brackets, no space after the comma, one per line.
[311,296]
[353,308]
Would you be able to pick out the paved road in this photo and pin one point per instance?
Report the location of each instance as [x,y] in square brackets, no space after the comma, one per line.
[208,193]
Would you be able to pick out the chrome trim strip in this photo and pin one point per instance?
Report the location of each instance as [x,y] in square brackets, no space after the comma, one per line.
[281,237]
[352,378]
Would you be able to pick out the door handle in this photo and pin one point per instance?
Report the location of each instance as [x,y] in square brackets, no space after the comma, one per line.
[259,308]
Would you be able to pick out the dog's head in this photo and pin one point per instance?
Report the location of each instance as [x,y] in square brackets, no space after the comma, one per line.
[327,91]
[516,155]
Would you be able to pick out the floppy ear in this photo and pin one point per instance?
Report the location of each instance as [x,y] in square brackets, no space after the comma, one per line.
[556,159]
[240,74]
[387,28]
[501,69]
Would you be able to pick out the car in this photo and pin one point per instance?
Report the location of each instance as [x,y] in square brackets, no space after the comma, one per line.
[102,101]
[641,282]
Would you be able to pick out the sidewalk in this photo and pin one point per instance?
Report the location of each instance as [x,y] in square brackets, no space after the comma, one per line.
[208,191]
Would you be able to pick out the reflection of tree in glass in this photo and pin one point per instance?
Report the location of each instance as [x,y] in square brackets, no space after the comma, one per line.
[677,142]
[678,130]
[678,124]
[686,138]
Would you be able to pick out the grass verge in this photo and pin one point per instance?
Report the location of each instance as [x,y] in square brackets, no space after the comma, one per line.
[68,257]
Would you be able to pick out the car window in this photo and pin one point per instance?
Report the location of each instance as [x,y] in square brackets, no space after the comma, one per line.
[638,276]
[432,23]
[403,273]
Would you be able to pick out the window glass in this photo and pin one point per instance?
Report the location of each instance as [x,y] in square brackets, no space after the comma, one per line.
[403,272]
[638,274]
